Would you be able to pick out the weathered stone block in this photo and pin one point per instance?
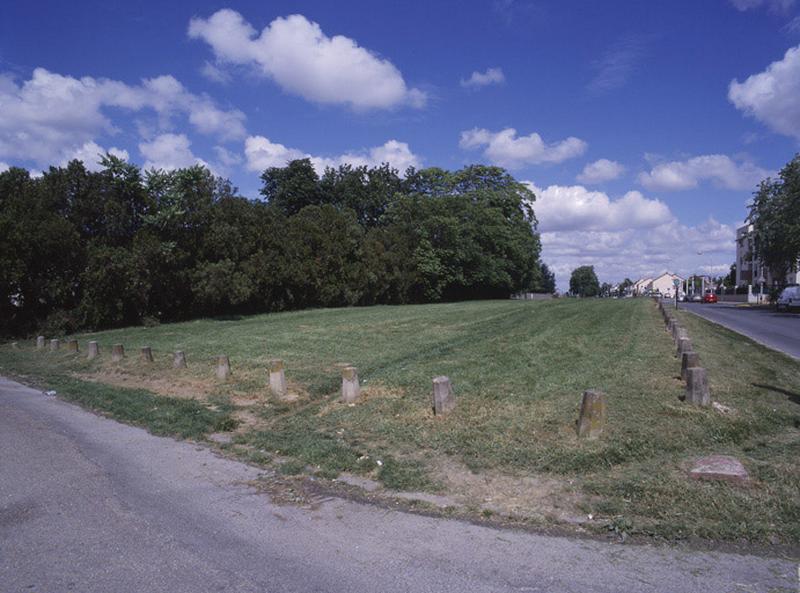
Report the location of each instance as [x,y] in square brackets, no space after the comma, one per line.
[40,343]
[93,350]
[444,400]
[719,467]
[72,346]
[117,352]
[179,360]
[146,354]
[277,379]
[684,345]
[681,334]
[592,417]
[55,344]
[351,390]
[697,392]
[223,367]
[689,359]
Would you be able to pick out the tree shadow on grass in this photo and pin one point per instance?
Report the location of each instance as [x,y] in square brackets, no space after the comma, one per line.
[793,397]
[227,318]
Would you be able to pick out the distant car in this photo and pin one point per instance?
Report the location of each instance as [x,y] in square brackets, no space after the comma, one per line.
[696,298]
[789,297]
[710,297]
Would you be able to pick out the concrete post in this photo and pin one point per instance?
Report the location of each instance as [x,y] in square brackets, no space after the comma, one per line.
[146,354]
[689,359]
[117,352]
[54,345]
[72,346]
[40,343]
[351,390]
[15,346]
[277,378]
[676,328]
[444,400]
[223,367]
[592,417]
[681,334]
[179,360]
[697,392]
[684,345]
[94,350]
[670,323]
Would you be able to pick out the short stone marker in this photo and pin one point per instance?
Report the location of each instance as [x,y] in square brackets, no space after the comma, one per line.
[592,417]
[670,324]
[179,360]
[72,346]
[444,400]
[277,378]
[40,343]
[689,359]
[223,367]
[117,352]
[697,392]
[94,350]
[15,346]
[54,345]
[719,467]
[351,390]
[684,345]
[146,354]
[681,334]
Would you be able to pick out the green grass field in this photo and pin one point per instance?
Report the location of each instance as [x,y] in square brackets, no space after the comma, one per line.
[518,369]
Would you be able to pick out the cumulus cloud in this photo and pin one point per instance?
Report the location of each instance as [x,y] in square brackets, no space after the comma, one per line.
[600,171]
[504,148]
[261,153]
[90,154]
[570,208]
[4,166]
[304,61]
[771,96]
[630,236]
[51,116]
[773,5]
[169,152]
[481,79]
[717,168]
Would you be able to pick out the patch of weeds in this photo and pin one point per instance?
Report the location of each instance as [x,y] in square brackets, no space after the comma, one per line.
[406,475]
[293,467]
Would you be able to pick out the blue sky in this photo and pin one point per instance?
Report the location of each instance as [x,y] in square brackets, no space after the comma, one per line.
[643,127]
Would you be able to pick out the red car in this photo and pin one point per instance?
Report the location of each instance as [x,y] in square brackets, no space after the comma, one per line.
[710,297]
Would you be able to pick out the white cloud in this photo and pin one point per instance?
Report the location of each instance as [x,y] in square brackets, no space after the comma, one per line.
[480,79]
[771,96]
[4,166]
[571,208]
[600,171]
[214,73]
[717,168]
[617,64]
[262,153]
[632,236]
[48,118]
[169,152]
[504,148]
[302,60]
[773,5]
[90,154]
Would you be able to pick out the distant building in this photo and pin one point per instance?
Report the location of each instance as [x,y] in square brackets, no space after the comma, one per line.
[665,284]
[750,270]
[641,286]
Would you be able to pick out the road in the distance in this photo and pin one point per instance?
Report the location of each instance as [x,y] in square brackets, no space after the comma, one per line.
[779,331]
[89,505]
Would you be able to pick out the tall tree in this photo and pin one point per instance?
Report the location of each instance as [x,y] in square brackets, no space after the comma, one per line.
[775,215]
[583,282]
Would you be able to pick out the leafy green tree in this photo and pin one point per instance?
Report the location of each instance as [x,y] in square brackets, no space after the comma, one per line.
[546,282]
[775,215]
[293,187]
[583,282]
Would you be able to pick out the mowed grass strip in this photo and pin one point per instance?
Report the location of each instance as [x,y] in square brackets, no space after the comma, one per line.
[518,369]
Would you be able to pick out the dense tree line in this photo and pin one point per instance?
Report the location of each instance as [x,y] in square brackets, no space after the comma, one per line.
[82,249]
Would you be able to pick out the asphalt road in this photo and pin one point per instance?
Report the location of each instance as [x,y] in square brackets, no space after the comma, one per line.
[779,331]
[90,505]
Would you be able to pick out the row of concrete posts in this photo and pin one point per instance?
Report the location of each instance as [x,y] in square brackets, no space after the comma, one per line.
[695,376]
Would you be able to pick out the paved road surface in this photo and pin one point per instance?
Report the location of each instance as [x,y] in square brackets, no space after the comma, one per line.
[779,331]
[90,505]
